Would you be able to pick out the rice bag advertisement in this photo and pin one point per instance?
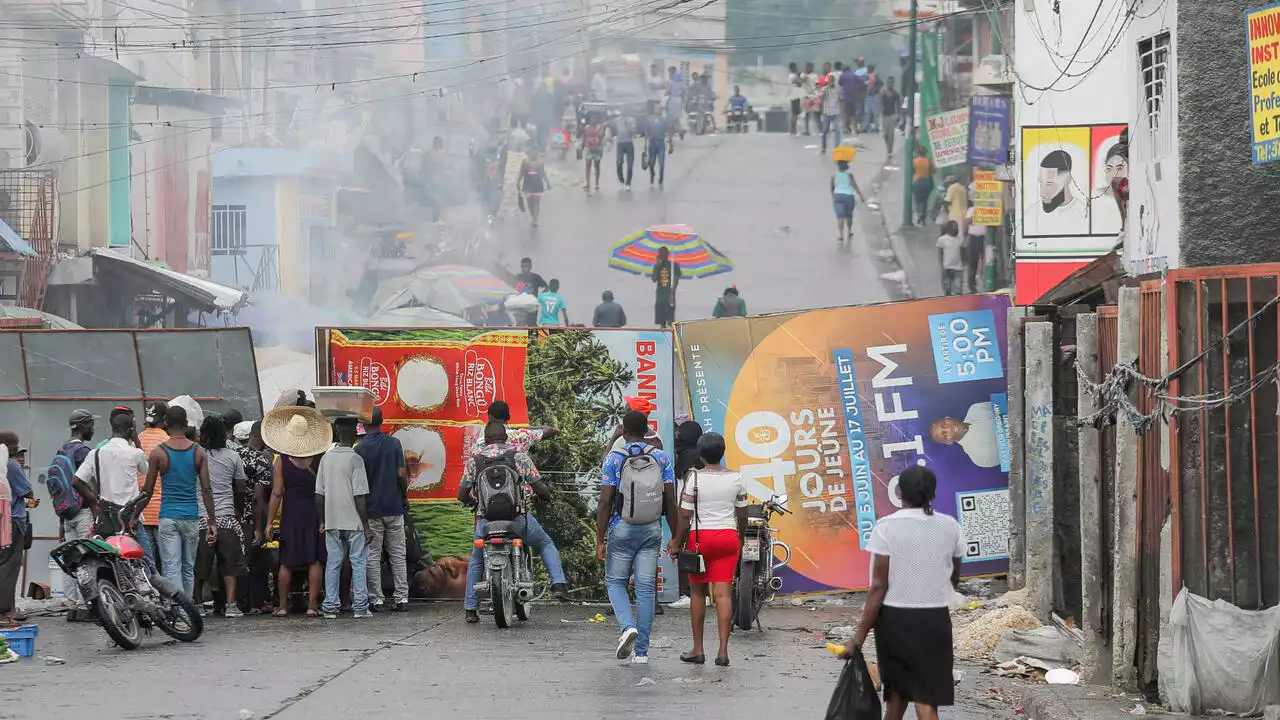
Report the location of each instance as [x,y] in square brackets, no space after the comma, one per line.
[829,406]
[444,375]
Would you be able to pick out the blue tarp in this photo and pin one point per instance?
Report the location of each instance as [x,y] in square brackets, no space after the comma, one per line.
[10,241]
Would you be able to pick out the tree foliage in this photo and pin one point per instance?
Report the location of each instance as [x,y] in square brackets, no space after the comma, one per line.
[780,33]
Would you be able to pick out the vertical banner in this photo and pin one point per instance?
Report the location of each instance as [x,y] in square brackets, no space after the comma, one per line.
[829,406]
[990,118]
[1264,81]
[988,199]
[949,137]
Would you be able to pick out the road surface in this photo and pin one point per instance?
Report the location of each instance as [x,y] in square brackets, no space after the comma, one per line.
[428,663]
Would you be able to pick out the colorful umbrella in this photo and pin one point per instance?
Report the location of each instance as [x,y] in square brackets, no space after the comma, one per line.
[696,257]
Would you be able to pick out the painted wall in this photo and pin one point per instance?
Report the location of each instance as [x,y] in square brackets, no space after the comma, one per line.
[1151,239]
[1080,116]
[258,195]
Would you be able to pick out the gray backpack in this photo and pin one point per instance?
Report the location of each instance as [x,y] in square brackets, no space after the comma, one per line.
[640,487]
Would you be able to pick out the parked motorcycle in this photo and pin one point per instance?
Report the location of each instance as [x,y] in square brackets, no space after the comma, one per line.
[508,568]
[126,596]
[756,583]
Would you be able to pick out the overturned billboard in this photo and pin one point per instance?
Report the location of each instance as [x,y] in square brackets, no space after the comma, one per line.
[829,406]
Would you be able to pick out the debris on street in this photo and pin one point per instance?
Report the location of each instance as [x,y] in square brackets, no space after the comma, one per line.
[977,638]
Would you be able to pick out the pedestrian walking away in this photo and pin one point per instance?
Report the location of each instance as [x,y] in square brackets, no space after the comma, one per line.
[182,469]
[975,250]
[624,135]
[635,485]
[593,138]
[552,310]
[342,490]
[730,304]
[713,517]
[843,188]
[951,252]
[532,183]
[872,103]
[795,93]
[957,200]
[655,153]
[922,170]
[666,278]
[300,435]
[498,452]
[222,559]
[388,501]
[74,499]
[890,100]
[608,313]
[916,556]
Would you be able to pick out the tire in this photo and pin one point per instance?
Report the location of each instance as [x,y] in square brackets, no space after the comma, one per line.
[117,618]
[744,606]
[194,623]
[502,595]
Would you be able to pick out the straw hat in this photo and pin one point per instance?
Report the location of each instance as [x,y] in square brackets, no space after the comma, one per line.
[296,431]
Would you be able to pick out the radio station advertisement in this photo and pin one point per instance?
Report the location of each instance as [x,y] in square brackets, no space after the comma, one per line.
[829,406]
[435,387]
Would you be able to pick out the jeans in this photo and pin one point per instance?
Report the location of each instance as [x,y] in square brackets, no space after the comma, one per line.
[179,541]
[388,532]
[890,129]
[657,154]
[633,549]
[952,282]
[627,154]
[79,527]
[147,538]
[869,115]
[536,537]
[829,123]
[339,545]
[921,189]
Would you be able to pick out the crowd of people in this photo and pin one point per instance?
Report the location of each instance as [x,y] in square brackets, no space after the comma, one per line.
[853,98]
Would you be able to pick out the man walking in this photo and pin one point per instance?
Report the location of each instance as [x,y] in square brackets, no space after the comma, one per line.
[383,459]
[552,310]
[71,457]
[655,153]
[873,98]
[182,467]
[342,489]
[890,101]
[830,110]
[635,487]
[624,135]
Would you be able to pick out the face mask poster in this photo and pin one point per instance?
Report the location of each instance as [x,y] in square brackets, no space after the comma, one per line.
[829,406]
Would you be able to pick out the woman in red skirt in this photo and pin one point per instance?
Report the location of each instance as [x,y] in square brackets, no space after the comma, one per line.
[714,507]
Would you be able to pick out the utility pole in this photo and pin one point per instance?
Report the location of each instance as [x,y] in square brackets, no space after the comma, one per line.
[909,147]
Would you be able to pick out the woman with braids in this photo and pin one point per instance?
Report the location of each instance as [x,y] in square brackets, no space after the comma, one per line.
[915,568]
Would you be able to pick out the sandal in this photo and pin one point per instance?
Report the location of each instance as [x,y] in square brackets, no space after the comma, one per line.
[699,659]
[280,613]
[312,613]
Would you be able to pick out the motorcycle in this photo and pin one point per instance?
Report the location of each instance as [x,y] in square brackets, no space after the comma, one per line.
[508,566]
[737,118]
[756,583]
[700,117]
[127,597]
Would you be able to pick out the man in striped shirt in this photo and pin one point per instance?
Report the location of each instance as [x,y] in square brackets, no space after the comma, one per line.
[830,110]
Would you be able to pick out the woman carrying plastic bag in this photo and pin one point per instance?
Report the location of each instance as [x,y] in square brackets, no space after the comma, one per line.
[915,567]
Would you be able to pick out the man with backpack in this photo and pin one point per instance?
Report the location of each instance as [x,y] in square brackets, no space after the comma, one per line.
[636,485]
[74,502]
[501,496]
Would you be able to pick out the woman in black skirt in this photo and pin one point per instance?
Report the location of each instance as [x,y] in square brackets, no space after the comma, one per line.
[915,568]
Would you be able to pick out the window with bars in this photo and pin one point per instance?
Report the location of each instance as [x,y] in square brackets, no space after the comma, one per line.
[229,230]
[1153,61]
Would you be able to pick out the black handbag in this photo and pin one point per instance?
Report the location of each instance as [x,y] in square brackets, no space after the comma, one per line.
[693,562]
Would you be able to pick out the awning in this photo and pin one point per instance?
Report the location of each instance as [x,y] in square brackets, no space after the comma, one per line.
[202,295]
[10,242]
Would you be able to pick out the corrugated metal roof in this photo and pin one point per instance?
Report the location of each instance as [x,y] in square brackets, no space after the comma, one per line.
[10,241]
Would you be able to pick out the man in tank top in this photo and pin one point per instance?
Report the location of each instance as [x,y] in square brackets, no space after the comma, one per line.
[182,467]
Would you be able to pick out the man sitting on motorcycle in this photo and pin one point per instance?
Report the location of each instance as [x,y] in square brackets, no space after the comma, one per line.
[738,101]
[495,439]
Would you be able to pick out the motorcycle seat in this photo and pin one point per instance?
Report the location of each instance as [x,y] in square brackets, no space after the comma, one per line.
[505,528]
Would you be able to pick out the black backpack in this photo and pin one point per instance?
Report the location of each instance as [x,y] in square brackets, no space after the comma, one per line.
[498,486]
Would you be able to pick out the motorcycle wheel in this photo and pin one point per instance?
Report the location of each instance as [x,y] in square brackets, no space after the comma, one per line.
[182,621]
[117,618]
[502,594]
[744,606]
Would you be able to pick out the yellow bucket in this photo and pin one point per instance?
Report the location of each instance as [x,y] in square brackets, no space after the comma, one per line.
[843,152]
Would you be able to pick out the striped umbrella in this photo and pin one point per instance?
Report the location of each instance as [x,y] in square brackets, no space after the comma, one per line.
[697,258]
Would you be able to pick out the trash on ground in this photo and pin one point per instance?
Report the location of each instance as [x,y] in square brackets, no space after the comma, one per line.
[1044,643]
[1138,709]
[840,632]
[1062,676]
[646,681]
[978,637]
[51,660]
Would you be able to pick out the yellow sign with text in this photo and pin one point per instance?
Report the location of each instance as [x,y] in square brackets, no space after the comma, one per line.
[1264,81]
[988,200]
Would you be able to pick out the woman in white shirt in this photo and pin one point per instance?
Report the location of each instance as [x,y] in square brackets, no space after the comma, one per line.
[915,567]
[714,505]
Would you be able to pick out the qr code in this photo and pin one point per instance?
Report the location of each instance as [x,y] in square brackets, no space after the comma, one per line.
[984,515]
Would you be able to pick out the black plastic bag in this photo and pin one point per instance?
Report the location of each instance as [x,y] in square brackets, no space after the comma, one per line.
[855,697]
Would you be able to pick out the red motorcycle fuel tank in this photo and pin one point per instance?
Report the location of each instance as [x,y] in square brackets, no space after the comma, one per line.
[128,548]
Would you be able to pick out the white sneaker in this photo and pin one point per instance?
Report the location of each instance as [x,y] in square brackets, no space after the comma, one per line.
[627,643]
[639,659]
[361,614]
[683,603]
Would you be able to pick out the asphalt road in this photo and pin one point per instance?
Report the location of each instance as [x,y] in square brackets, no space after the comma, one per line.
[428,663]
[762,199]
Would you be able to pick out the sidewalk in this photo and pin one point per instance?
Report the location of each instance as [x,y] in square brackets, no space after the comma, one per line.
[1071,702]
